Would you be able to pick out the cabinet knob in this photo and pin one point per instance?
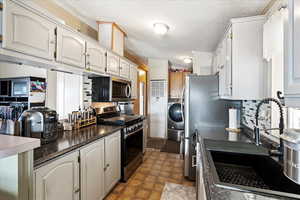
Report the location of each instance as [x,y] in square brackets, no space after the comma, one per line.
[52,42]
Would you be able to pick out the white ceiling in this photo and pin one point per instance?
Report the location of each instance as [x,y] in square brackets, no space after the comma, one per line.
[195,25]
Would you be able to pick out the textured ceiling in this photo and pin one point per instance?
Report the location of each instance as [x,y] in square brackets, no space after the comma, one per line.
[195,25]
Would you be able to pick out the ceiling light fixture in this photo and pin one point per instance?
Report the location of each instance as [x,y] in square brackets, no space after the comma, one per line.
[187,60]
[160,28]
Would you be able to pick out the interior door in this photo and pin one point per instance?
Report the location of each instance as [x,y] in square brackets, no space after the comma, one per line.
[112,160]
[59,179]
[92,171]
[70,48]
[95,58]
[27,32]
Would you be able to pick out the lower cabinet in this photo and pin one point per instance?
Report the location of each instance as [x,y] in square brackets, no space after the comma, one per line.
[112,161]
[59,179]
[92,171]
[98,165]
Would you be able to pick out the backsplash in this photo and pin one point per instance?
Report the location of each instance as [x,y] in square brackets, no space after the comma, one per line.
[248,114]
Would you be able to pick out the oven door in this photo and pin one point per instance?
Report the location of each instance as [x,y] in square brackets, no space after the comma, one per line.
[133,145]
[132,153]
[121,90]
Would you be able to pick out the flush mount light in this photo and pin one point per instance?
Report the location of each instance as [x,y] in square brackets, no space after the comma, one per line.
[187,60]
[160,28]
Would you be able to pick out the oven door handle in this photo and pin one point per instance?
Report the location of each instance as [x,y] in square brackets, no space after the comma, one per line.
[127,135]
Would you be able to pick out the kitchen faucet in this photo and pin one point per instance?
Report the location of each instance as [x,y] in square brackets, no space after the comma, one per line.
[281,124]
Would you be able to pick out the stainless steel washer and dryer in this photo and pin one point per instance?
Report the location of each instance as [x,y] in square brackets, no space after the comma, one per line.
[175,120]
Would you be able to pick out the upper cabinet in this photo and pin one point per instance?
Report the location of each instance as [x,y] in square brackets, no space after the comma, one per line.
[292,60]
[95,57]
[177,84]
[32,37]
[27,32]
[134,81]
[70,48]
[113,64]
[240,60]
[124,68]
[112,37]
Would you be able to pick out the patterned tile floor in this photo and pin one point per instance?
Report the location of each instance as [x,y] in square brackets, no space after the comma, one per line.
[148,181]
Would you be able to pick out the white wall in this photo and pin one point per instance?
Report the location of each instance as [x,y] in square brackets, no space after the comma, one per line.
[158,69]
[202,63]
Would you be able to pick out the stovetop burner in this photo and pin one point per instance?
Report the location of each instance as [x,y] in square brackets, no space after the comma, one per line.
[112,116]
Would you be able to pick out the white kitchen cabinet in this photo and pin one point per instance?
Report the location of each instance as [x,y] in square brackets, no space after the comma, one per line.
[58,179]
[112,161]
[70,48]
[95,57]
[242,60]
[134,81]
[27,32]
[124,69]
[113,64]
[92,171]
[292,60]
[225,66]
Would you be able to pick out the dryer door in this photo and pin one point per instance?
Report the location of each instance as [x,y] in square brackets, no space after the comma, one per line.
[175,113]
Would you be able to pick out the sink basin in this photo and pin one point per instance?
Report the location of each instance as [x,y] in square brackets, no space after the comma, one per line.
[249,172]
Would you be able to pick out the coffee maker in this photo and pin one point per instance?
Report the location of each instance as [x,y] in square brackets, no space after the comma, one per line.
[41,123]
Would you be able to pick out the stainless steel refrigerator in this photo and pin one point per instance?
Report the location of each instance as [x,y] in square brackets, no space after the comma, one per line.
[204,112]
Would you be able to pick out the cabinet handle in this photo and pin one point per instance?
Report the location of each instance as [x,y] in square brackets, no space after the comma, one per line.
[52,42]
[77,190]
[107,166]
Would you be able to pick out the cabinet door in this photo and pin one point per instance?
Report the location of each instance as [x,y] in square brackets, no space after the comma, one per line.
[124,69]
[92,171]
[112,160]
[175,84]
[27,32]
[59,179]
[70,48]
[292,60]
[222,81]
[113,64]
[95,58]
[228,64]
[134,81]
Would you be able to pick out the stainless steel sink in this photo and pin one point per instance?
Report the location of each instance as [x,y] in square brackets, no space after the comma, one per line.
[249,172]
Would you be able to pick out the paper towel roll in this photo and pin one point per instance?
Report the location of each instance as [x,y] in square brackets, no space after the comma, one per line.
[234,118]
[233,136]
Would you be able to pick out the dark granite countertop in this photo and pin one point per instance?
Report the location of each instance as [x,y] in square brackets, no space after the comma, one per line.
[71,140]
[215,191]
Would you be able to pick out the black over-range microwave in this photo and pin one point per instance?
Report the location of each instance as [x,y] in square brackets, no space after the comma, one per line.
[108,89]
